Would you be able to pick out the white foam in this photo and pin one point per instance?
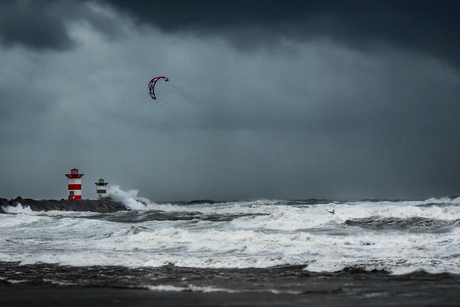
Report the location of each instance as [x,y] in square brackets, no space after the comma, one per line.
[209,289]
[7,221]
[266,234]
[243,249]
[189,288]
[19,208]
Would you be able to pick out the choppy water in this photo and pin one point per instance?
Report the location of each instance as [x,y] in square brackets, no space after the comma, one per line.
[293,247]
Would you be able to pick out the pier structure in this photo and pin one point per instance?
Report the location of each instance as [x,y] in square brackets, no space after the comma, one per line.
[101,188]
[74,184]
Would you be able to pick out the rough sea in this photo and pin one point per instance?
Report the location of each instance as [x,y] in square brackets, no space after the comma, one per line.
[261,252]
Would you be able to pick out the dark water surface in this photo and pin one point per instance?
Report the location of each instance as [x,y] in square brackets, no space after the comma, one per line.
[51,285]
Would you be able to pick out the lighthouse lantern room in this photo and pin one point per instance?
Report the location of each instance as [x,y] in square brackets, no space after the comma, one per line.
[101,188]
[74,184]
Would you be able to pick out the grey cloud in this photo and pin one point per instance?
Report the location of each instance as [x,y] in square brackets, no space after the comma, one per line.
[429,27]
[45,25]
[33,24]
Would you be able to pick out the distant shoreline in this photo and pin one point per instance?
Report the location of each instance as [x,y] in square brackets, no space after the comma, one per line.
[103,205]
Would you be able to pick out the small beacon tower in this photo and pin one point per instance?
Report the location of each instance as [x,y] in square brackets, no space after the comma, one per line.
[101,188]
[74,184]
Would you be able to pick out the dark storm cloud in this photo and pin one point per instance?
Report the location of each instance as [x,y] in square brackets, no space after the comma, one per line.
[44,25]
[33,24]
[431,27]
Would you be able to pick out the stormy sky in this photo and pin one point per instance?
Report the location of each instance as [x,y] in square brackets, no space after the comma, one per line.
[266,99]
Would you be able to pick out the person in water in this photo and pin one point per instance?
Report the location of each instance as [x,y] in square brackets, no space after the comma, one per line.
[331,212]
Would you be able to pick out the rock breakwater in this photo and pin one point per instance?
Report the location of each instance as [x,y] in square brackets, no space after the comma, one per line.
[103,205]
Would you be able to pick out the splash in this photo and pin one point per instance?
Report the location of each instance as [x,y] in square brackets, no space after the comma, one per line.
[129,198]
[19,208]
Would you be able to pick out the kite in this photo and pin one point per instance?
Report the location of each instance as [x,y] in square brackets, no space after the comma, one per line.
[152,85]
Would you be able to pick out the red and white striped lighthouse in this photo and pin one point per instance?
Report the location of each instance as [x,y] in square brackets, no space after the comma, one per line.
[74,184]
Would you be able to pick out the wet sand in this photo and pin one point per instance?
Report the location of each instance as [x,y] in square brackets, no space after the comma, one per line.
[18,296]
[13,295]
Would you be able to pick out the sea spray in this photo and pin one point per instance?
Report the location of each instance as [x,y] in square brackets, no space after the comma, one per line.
[129,198]
[19,208]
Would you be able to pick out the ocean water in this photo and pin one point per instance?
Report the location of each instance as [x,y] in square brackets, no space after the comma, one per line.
[386,251]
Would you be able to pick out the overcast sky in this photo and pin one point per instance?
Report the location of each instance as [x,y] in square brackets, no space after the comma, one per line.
[267,99]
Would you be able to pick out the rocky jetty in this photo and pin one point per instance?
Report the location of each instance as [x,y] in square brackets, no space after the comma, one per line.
[103,205]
